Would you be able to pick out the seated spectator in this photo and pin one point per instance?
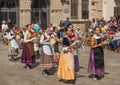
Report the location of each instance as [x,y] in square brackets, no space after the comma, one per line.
[114,41]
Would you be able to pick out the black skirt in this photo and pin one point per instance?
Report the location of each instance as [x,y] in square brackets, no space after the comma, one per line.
[99,57]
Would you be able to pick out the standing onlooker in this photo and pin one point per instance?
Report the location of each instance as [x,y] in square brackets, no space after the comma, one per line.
[4,26]
[87,25]
[61,32]
[93,24]
[61,24]
[10,25]
[67,22]
[96,59]
[36,26]
[78,33]
[50,27]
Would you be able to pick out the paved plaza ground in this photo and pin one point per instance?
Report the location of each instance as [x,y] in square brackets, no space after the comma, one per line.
[13,73]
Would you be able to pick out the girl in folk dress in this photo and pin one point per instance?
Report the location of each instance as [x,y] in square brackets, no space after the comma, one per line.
[28,55]
[66,62]
[96,60]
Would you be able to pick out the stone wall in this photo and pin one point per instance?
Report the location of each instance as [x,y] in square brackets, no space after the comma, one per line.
[25,12]
[59,11]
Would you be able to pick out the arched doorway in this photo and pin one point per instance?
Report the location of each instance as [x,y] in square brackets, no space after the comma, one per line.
[40,11]
[9,10]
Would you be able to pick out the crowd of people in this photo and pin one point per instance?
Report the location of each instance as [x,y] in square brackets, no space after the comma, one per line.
[109,30]
[44,44]
[32,39]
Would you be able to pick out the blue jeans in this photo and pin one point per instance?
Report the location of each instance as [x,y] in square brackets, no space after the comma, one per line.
[113,44]
[61,34]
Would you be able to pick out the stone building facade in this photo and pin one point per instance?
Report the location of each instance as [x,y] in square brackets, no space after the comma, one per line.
[111,8]
[22,12]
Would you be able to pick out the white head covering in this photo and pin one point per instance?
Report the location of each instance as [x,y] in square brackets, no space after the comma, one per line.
[3,21]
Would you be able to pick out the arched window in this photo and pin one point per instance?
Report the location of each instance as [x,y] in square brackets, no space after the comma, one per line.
[40,11]
[74,9]
[9,10]
[8,4]
[85,11]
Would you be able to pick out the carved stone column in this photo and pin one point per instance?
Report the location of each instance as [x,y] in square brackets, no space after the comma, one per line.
[25,12]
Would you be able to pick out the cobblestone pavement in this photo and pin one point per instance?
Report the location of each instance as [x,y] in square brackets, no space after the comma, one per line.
[13,73]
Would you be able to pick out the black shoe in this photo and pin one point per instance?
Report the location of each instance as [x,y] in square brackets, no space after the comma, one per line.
[45,72]
[61,80]
[72,81]
[95,77]
[66,81]
[98,77]
[28,66]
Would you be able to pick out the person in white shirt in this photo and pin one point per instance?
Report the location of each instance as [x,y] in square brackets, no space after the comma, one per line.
[78,32]
[4,26]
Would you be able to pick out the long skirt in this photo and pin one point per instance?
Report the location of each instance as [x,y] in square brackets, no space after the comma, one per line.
[76,62]
[96,62]
[12,51]
[46,60]
[66,67]
[28,55]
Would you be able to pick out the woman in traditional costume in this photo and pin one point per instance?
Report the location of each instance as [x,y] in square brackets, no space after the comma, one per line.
[46,51]
[28,55]
[66,62]
[55,45]
[75,51]
[13,45]
[96,60]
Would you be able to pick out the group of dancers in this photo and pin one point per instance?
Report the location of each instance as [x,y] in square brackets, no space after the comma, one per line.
[67,60]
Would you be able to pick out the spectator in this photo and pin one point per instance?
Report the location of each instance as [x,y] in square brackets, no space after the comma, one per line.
[61,24]
[102,20]
[93,24]
[10,25]
[4,26]
[78,33]
[36,26]
[113,43]
[119,23]
[87,25]
[67,22]
[50,27]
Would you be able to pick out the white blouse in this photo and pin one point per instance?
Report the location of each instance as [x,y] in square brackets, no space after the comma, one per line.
[26,40]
